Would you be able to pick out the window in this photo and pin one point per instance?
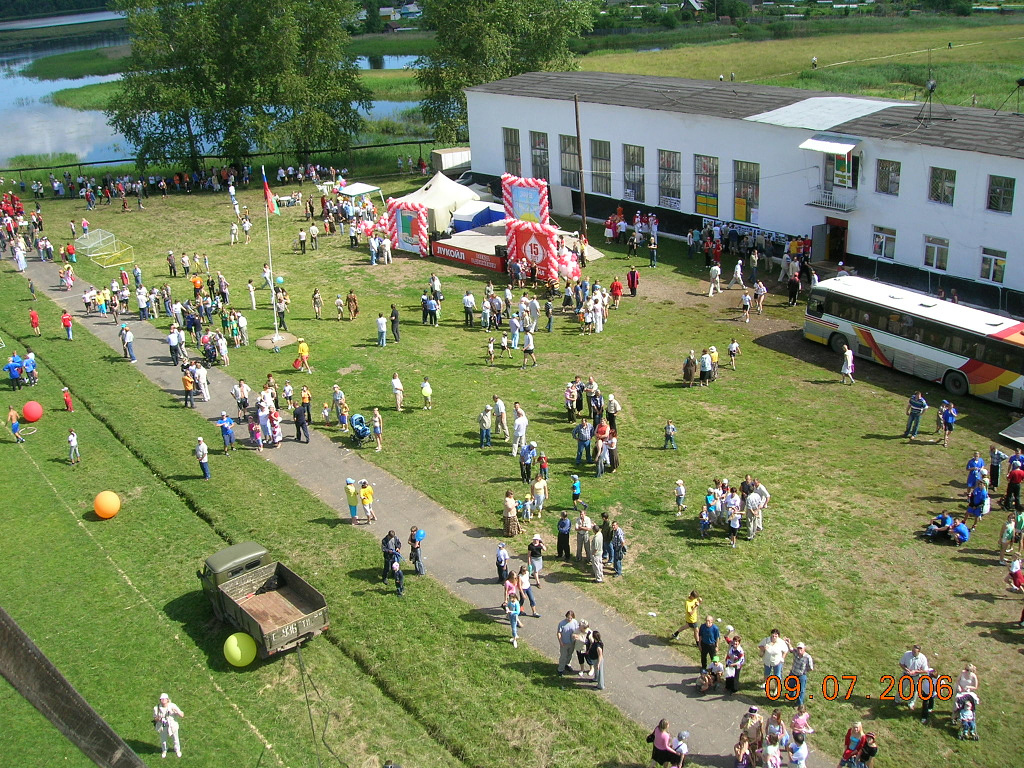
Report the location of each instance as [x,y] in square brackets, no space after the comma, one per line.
[993,265]
[601,166]
[936,252]
[841,171]
[510,138]
[570,162]
[669,179]
[1000,193]
[747,190]
[633,172]
[887,180]
[883,243]
[942,186]
[705,185]
[539,155]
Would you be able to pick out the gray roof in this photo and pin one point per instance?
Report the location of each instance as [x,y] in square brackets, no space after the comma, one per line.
[970,130]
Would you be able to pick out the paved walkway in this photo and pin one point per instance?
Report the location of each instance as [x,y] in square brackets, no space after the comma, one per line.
[645,678]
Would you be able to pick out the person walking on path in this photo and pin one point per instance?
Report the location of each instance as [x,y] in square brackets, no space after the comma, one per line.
[594,655]
[567,627]
[847,367]
[690,608]
[512,610]
[166,715]
[916,407]
[301,424]
[203,457]
[352,498]
[227,431]
[709,636]
[366,499]
[398,391]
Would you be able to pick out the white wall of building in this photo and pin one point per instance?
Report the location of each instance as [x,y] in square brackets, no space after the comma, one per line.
[788,175]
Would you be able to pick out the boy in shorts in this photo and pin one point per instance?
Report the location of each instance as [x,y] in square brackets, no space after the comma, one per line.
[576,500]
[680,498]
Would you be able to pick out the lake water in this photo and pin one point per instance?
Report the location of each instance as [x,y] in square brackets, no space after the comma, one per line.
[34,126]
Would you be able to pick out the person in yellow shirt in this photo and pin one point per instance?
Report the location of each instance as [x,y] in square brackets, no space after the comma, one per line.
[713,351]
[366,498]
[691,607]
[304,356]
[352,495]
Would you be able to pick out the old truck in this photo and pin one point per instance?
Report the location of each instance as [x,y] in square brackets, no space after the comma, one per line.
[262,597]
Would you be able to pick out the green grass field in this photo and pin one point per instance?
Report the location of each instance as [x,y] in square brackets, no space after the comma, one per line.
[384,85]
[96,61]
[116,604]
[984,61]
[837,567]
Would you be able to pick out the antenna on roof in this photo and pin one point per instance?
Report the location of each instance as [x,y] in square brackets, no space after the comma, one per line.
[925,115]
[1015,92]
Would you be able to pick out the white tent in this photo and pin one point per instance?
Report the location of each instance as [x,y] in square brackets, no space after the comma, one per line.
[358,189]
[442,197]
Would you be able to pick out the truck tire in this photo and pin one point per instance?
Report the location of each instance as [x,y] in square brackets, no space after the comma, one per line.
[836,342]
[956,384]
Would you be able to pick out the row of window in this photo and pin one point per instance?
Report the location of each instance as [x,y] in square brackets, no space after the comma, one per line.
[746,175]
[942,186]
[936,254]
[936,335]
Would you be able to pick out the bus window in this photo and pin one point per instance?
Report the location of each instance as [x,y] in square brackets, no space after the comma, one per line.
[816,305]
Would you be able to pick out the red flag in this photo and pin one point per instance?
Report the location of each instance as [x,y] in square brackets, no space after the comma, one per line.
[271,202]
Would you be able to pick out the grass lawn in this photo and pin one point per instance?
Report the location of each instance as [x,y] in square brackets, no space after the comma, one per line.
[984,60]
[837,566]
[384,85]
[95,61]
[376,688]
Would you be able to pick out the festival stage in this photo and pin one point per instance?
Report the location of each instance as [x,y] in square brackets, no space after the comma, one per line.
[477,247]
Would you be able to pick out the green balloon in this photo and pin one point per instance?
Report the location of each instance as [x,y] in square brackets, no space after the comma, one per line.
[240,649]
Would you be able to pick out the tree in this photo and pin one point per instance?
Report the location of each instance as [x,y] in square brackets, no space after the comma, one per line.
[230,77]
[479,41]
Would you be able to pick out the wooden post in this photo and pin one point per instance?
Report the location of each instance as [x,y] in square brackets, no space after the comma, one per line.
[579,156]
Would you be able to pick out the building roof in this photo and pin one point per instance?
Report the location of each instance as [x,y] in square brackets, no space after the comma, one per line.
[962,128]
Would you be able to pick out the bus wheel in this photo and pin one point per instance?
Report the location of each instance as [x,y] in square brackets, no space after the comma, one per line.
[837,342]
[956,383]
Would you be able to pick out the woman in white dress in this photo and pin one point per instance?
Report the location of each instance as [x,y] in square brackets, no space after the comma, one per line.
[847,369]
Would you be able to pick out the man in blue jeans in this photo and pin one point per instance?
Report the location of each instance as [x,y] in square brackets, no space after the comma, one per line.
[802,664]
[485,420]
[203,455]
[583,434]
[916,406]
[618,547]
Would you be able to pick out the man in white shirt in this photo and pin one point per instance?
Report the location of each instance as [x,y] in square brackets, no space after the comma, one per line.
[469,306]
[583,526]
[737,275]
[914,663]
[519,427]
[172,343]
[715,275]
[398,391]
[385,250]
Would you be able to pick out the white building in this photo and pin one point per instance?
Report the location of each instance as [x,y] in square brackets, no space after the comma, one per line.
[918,194]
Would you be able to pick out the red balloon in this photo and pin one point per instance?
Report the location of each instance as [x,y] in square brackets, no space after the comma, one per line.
[32,411]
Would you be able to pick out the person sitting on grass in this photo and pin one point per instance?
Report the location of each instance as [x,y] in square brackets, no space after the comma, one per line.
[939,525]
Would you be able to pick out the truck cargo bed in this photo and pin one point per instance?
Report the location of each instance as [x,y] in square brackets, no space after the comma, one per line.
[276,609]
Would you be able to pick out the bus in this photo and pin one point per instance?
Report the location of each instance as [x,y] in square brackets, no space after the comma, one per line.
[967,350]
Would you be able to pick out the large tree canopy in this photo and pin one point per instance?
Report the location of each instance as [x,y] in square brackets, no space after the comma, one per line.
[479,41]
[232,77]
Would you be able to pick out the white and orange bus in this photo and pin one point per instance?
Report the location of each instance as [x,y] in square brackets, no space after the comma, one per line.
[967,350]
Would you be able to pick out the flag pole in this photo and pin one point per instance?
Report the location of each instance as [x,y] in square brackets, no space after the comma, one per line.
[270,262]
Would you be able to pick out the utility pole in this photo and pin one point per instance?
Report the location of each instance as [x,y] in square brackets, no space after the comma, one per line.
[579,156]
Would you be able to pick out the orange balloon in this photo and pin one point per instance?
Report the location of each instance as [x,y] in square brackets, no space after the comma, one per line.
[106,504]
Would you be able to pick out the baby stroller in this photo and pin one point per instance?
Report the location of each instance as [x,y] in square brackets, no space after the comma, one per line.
[966,717]
[360,431]
[209,354]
